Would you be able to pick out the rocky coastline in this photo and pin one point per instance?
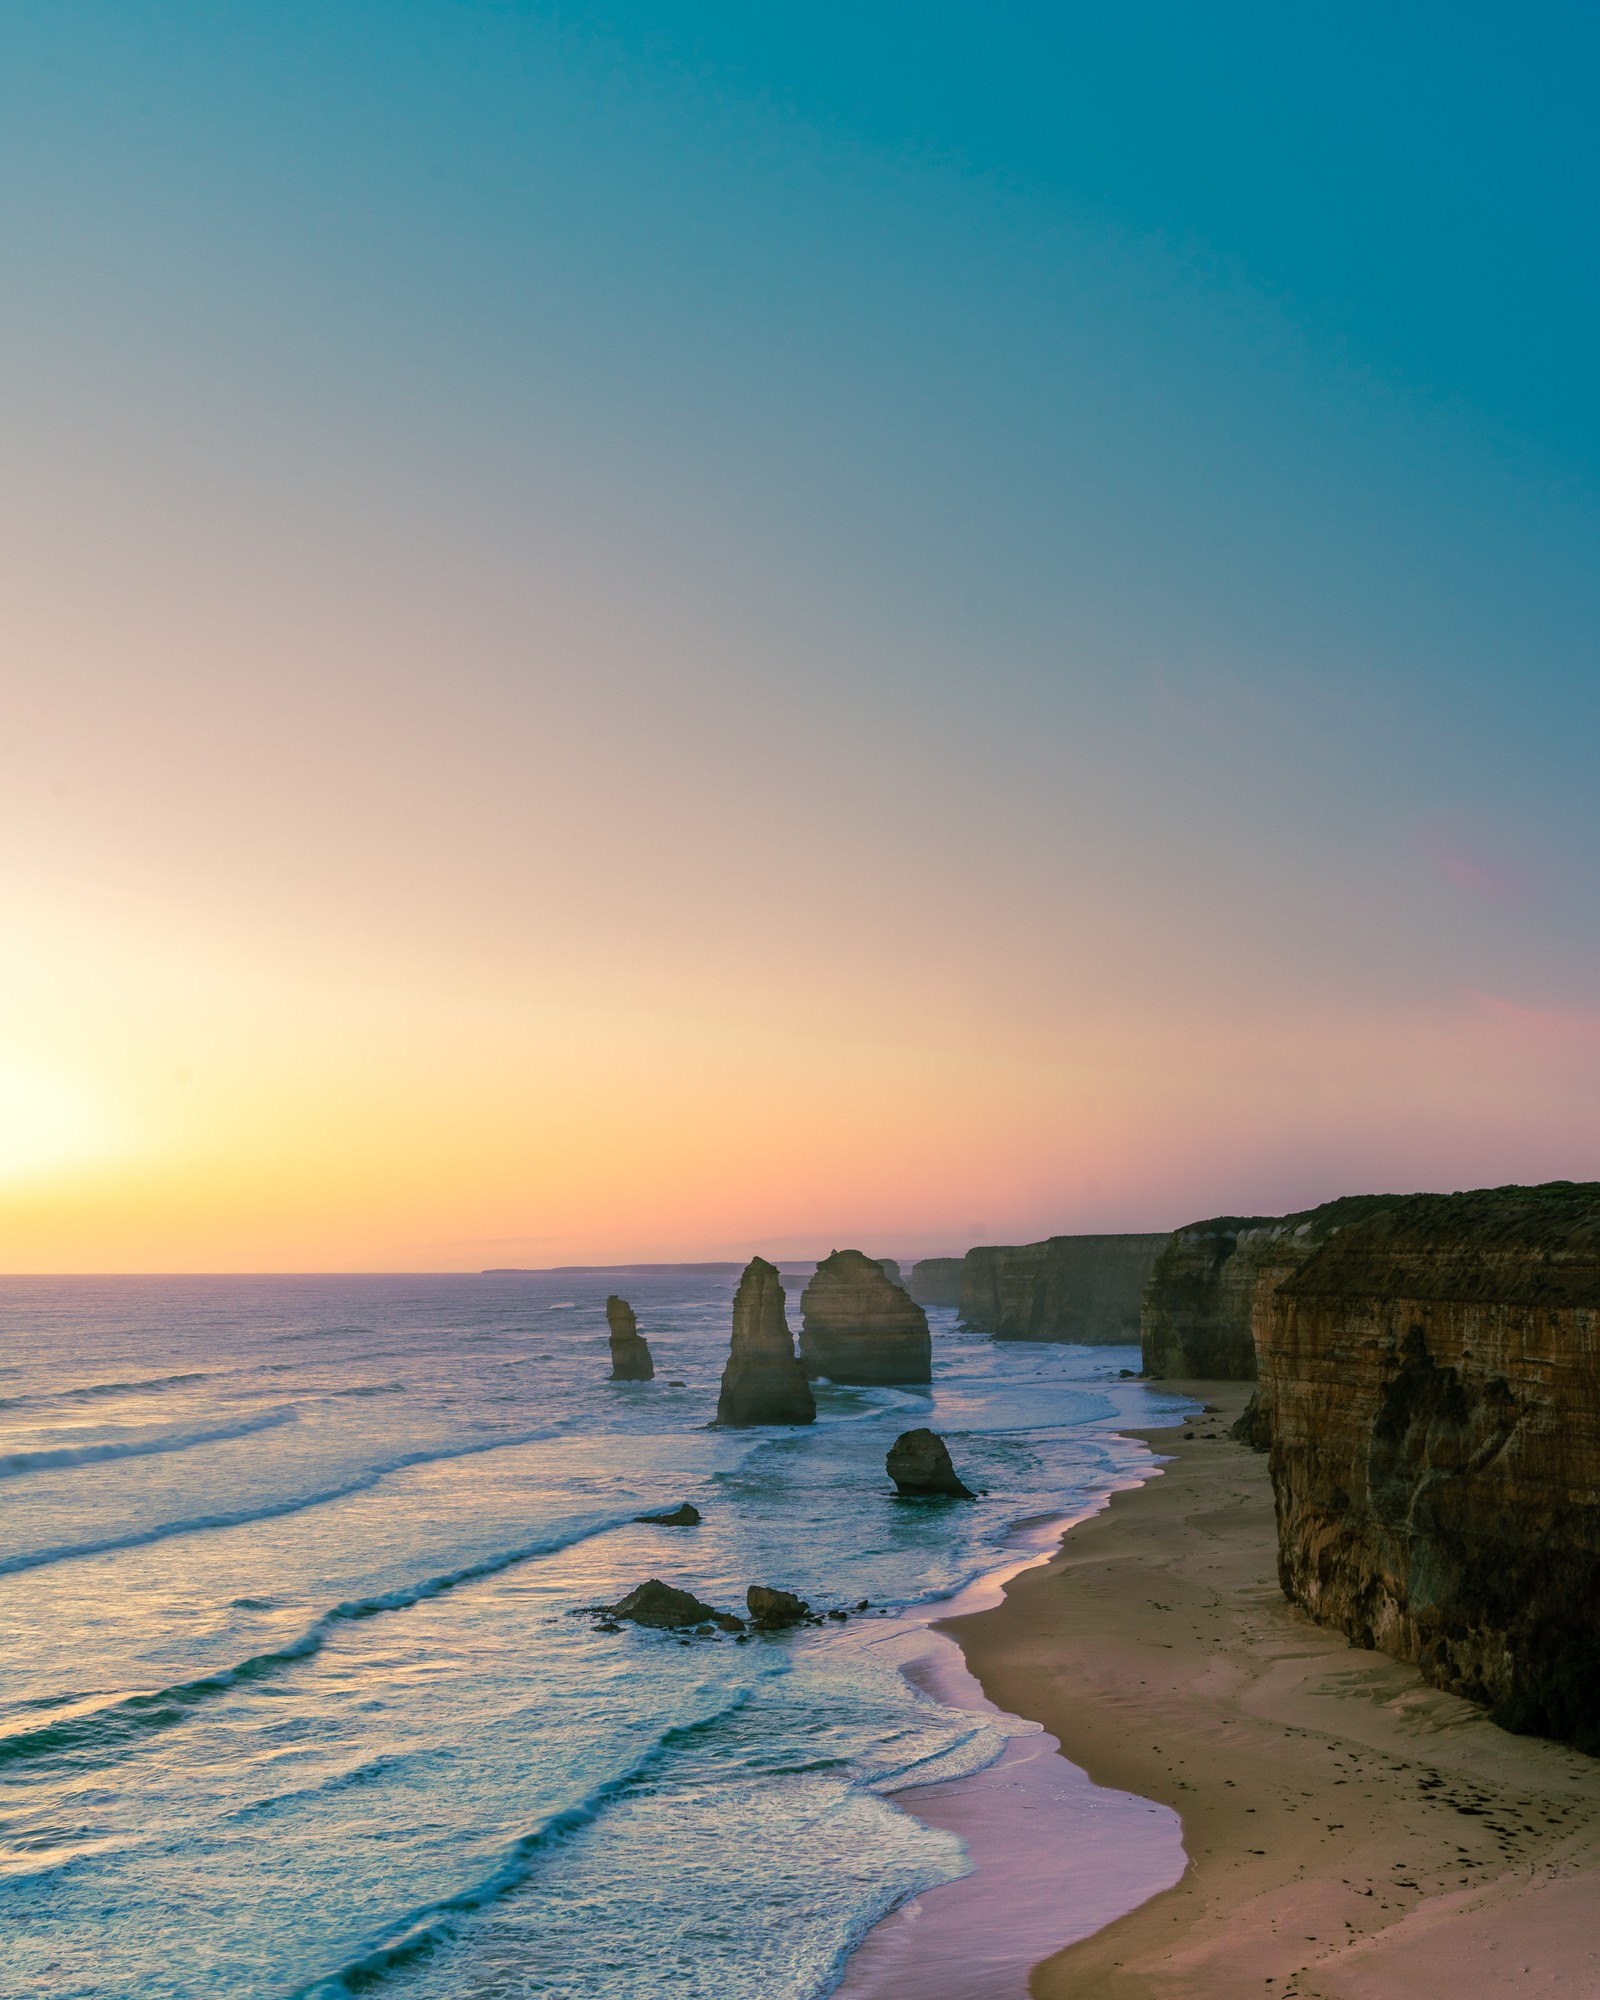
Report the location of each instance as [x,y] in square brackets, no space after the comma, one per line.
[1198,1312]
[1081,1288]
[1431,1382]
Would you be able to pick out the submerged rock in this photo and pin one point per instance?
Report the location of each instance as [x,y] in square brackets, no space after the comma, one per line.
[774,1609]
[686,1516]
[919,1462]
[763,1383]
[858,1325]
[630,1351]
[658,1604]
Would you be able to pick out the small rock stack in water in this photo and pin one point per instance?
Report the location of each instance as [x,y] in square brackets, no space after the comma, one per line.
[859,1326]
[630,1351]
[919,1462]
[763,1382]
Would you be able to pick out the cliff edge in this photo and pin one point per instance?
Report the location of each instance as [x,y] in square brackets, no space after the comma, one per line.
[1197,1316]
[1431,1377]
[1066,1288]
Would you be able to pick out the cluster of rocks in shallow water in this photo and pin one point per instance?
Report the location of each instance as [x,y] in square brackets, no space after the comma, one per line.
[919,1464]
[663,1607]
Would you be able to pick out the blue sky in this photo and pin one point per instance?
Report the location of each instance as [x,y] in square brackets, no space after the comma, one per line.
[1101,499]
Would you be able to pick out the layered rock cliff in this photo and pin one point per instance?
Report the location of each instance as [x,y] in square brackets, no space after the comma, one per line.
[858,1326]
[1067,1288]
[1431,1376]
[630,1351]
[1198,1312]
[763,1382]
[936,1281]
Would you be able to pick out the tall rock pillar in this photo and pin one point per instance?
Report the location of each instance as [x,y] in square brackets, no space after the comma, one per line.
[630,1351]
[763,1382]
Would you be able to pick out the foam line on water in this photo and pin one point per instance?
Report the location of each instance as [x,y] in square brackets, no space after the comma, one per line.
[137,1716]
[66,1457]
[424,1930]
[151,1387]
[272,1510]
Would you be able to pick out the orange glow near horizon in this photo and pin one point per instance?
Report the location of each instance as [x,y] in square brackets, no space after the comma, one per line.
[245,1115]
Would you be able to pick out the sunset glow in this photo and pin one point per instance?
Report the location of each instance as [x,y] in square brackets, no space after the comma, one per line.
[659,668]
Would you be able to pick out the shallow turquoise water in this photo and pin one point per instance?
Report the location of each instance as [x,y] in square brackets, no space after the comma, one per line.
[294,1697]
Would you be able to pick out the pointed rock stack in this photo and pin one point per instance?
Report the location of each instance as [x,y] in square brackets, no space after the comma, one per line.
[763,1383]
[630,1351]
[859,1326]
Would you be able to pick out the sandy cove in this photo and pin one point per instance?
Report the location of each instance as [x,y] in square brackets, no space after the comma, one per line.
[1353,1834]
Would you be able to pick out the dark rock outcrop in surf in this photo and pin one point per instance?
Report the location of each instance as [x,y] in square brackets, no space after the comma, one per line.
[859,1326]
[686,1516]
[630,1351]
[763,1382]
[773,1610]
[919,1463]
[660,1605]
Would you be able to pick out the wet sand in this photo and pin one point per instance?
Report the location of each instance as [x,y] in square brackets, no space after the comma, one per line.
[1352,1834]
[1055,1856]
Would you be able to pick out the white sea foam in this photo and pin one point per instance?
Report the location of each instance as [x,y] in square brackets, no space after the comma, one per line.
[318,1669]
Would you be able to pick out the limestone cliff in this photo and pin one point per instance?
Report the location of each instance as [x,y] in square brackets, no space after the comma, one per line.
[1066,1288]
[763,1382]
[857,1326]
[630,1351]
[1432,1381]
[1198,1313]
[936,1281]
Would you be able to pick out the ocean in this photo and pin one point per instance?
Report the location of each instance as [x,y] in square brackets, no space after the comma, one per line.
[298,1696]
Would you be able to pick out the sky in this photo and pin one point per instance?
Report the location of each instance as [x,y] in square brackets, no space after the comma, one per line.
[656,631]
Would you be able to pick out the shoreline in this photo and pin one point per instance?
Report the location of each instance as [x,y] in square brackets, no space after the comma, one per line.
[1350,1832]
[1036,1884]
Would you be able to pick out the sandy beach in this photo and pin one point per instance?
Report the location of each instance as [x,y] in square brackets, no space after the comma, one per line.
[1352,1833]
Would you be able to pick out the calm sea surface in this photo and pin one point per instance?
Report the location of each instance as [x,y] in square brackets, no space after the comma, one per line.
[292,1696]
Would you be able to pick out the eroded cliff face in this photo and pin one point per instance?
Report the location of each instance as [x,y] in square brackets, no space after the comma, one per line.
[1067,1288]
[1431,1377]
[1197,1318]
[936,1281]
[763,1382]
[858,1326]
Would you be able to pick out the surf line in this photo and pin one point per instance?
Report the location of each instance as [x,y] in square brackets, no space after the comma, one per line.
[1037,1883]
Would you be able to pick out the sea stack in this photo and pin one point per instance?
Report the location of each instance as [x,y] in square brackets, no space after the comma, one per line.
[919,1462]
[630,1351]
[859,1326]
[763,1382]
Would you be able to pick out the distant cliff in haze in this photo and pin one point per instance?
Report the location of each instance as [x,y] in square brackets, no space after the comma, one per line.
[1084,1288]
